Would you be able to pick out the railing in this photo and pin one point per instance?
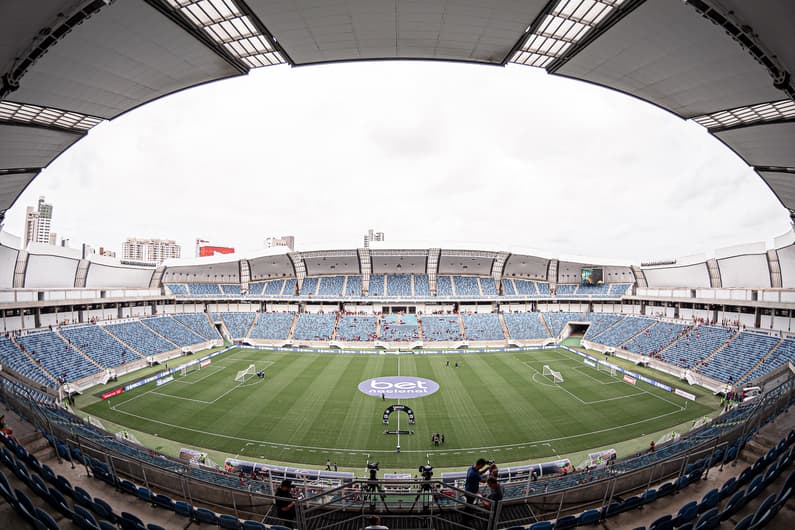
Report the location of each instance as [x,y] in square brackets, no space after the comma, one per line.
[398,501]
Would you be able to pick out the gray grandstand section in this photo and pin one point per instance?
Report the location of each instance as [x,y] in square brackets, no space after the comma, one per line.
[272,326]
[198,323]
[655,338]
[557,321]
[600,322]
[483,326]
[315,326]
[525,326]
[173,331]
[140,337]
[623,331]
[237,323]
[741,356]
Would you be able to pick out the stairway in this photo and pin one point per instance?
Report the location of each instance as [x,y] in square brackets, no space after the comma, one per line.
[419,329]
[764,359]
[109,332]
[336,327]
[253,323]
[160,335]
[461,326]
[292,327]
[543,321]
[504,326]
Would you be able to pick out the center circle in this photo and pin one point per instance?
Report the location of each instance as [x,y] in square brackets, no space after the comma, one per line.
[398,387]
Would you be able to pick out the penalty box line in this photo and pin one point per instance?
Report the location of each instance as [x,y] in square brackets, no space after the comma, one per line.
[595,402]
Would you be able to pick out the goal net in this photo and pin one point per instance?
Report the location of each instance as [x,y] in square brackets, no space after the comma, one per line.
[552,374]
[606,368]
[242,375]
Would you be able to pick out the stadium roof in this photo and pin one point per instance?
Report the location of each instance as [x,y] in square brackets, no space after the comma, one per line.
[67,65]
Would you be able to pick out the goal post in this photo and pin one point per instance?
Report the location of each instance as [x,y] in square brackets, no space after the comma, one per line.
[600,367]
[242,375]
[552,374]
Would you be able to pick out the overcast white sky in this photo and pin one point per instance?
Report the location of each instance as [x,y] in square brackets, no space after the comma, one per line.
[422,151]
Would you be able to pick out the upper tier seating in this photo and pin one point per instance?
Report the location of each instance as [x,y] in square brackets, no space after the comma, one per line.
[357,328]
[543,288]
[444,286]
[623,331]
[140,337]
[617,289]
[173,331]
[13,358]
[399,328]
[330,285]
[783,354]
[421,285]
[739,356]
[231,289]
[690,350]
[178,289]
[255,288]
[315,326]
[236,323]
[354,286]
[508,288]
[599,290]
[56,356]
[466,286]
[377,285]
[482,326]
[273,326]
[525,326]
[98,344]
[599,323]
[199,323]
[441,328]
[556,321]
[654,339]
[274,288]
[204,289]
[309,286]
[566,289]
[398,285]
[488,286]
[526,287]
[289,287]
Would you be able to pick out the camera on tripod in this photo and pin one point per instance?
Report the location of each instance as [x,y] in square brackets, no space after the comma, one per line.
[372,466]
[426,471]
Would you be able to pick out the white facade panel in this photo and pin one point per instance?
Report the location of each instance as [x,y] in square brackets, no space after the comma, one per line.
[101,276]
[749,270]
[687,276]
[50,271]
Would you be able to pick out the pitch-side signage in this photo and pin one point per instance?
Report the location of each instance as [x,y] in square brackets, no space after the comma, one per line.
[111,393]
[399,387]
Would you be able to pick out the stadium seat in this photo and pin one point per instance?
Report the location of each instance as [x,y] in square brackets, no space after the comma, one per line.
[253,525]
[203,515]
[229,522]
[144,494]
[58,502]
[183,508]
[84,519]
[744,523]
[589,517]
[103,510]
[24,505]
[566,522]
[541,525]
[666,522]
[709,520]
[666,489]
[83,498]
[46,519]
[736,502]
[766,510]
[107,525]
[128,487]
[64,486]
[709,501]
[686,513]
[649,496]
[163,501]
[728,488]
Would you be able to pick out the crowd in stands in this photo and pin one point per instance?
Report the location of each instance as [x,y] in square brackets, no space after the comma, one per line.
[400,327]
[421,285]
[377,287]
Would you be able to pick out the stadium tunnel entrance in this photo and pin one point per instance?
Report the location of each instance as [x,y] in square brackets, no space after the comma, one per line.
[574,330]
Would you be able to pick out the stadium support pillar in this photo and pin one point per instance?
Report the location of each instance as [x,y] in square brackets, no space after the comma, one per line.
[37,317]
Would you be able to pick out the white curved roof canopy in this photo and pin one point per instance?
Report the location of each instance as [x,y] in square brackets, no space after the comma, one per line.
[67,65]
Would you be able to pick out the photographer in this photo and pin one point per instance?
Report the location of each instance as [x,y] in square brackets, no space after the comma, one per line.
[285,503]
[475,475]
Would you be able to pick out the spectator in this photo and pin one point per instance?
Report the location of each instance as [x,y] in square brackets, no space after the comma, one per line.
[285,503]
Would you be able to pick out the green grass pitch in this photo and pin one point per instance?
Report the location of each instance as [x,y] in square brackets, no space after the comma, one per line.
[308,408]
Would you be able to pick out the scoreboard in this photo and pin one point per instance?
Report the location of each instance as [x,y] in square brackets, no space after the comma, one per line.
[591,276]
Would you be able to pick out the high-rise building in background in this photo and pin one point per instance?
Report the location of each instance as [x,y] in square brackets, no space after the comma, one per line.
[153,251]
[372,235]
[284,241]
[38,224]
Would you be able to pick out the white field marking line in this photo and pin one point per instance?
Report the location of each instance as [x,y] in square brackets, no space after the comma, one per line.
[644,391]
[361,451]
[592,378]
[578,398]
[215,371]
[154,391]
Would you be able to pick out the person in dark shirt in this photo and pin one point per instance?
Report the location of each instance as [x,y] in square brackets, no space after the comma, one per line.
[285,503]
[495,493]
[475,475]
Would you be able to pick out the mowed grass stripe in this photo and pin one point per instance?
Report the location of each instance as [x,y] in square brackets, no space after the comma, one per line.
[355,428]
